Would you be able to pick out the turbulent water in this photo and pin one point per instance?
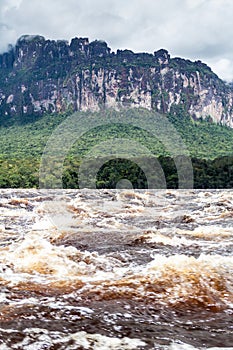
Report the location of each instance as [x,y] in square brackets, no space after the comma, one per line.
[111,269]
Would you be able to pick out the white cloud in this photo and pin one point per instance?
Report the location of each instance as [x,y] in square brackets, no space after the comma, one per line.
[194,29]
[224,68]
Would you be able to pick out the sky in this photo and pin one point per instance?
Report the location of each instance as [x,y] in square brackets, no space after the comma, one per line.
[192,29]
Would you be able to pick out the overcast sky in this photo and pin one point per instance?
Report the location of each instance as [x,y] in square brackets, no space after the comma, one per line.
[194,29]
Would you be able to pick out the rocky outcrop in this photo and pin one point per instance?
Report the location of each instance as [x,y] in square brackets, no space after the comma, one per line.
[39,75]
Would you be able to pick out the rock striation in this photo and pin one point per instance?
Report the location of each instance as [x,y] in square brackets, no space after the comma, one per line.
[39,75]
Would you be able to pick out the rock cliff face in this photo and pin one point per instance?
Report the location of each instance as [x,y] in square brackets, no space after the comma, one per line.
[39,75]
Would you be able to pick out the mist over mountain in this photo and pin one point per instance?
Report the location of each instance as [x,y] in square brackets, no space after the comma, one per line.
[40,75]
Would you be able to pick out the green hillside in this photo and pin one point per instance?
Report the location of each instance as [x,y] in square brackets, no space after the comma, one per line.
[209,145]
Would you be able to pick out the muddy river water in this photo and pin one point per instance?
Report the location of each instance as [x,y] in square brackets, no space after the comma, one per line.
[116,269]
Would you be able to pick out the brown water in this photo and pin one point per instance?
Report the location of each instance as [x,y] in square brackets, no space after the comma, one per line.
[110,269]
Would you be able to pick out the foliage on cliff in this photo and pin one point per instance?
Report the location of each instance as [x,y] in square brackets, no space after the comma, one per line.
[40,76]
[44,81]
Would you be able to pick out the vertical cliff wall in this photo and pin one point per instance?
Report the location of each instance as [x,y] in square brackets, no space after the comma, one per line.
[39,75]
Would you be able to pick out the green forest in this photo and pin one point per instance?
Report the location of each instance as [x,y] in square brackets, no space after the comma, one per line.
[22,144]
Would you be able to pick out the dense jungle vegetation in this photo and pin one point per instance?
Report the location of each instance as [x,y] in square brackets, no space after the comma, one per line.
[22,144]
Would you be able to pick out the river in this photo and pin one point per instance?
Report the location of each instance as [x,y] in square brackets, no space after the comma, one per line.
[116,269]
